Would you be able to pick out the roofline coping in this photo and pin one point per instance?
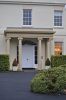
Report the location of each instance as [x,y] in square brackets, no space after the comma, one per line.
[32,3]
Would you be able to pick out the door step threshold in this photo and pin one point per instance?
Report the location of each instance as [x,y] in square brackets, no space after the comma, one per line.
[28,69]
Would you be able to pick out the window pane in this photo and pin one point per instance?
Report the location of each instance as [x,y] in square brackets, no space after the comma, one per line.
[27,16]
[29,23]
[58,48]
[57,18]
[30,15]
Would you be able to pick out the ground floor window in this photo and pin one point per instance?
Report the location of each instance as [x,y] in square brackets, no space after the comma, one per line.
[58,48]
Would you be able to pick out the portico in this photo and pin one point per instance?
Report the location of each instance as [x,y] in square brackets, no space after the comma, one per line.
[42,37]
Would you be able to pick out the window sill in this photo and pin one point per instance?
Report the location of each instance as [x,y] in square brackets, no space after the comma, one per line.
[58,27]
[27,26]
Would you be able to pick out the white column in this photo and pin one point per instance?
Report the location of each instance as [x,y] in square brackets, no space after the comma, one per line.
[39,54]
[8,50]
[52,45]
[20,53]
[8,46]
[48,49]
[45,50]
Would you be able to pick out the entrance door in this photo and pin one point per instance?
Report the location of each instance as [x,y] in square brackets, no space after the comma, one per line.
[28,56]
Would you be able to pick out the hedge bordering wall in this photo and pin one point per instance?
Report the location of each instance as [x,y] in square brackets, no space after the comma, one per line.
[58,60]
[4,63]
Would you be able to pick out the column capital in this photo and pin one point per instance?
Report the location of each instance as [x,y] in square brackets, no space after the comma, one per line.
[20,38]
[49,39]
[40,38]
[8,38]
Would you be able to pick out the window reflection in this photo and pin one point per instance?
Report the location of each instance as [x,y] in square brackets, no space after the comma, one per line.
[58,48]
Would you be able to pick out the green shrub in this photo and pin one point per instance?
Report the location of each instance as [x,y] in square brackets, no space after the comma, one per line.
[58,60]
[50,81]
[63,65]
[4,62]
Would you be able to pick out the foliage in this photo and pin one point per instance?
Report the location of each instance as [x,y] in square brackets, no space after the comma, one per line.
[4,63]
[50,81]
[47,63]
[58,60]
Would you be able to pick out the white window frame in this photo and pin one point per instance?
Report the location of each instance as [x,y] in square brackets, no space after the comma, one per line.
[58,14]
[27,18]
[58,42]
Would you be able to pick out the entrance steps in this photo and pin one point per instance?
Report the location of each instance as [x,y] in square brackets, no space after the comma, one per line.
[29,69]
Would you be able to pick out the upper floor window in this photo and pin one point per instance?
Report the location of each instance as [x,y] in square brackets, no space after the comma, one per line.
[58,48]
[27,17]
[57,18]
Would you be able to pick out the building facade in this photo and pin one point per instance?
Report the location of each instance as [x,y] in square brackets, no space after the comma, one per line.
[32,31]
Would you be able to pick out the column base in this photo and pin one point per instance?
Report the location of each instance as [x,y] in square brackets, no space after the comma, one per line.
[19,68]
[10,69]
[39,68]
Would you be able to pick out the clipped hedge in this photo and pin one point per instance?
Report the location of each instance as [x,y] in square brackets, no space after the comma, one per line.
[4,62]
[50,81]
[58,60]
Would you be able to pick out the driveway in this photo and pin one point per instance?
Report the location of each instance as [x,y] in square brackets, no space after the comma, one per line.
[16,86]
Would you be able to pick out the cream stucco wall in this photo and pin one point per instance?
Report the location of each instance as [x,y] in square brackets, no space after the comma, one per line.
[43,56]
[12,16]
[2,44]
[42,17]
[60,35]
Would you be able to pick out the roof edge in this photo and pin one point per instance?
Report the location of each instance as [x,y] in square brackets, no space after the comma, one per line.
[32,3]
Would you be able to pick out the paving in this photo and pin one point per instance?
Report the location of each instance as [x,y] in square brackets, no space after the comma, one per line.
[16,86]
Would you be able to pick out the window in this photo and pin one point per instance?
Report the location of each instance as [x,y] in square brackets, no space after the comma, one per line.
[27,16]
[35,54]
[57,18]
[58,48]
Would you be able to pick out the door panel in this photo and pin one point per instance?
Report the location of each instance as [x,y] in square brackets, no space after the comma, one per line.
[28,56]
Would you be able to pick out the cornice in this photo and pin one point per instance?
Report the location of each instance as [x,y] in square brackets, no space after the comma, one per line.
[32,3]
[29,30]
